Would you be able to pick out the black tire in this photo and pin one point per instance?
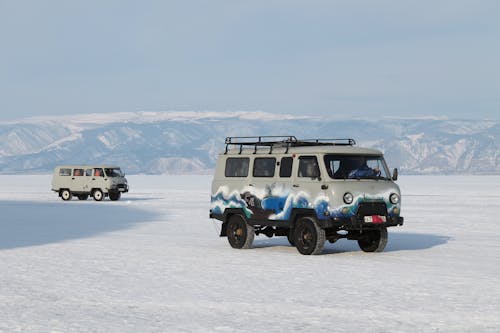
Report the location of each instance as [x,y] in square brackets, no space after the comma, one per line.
[97,195]
[373,240]
[66,195]
[83,196]
[309,237]
[291,237]
[239,234]
[113,196]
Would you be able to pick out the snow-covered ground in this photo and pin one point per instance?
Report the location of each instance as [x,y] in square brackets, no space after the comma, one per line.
[153,262]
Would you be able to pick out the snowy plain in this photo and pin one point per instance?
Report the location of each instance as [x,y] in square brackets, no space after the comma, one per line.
[153,262]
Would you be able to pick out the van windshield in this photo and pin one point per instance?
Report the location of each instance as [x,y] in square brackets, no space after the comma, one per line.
[113,172]
[356,167]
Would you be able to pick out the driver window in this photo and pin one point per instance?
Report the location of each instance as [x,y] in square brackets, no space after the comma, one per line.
[308,167]
[98,172]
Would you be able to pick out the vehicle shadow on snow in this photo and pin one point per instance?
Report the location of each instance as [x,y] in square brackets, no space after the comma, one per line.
[25,223]
[396,242]
[140,199]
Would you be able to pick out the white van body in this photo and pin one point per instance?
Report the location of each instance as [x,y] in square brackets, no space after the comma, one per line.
[311,187]
[98,181]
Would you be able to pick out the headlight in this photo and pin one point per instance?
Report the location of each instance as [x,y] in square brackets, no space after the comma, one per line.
[394,198]
[348,198]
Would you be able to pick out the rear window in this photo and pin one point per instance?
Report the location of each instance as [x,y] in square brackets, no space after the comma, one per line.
[64,172]
[237,167]
[264,167]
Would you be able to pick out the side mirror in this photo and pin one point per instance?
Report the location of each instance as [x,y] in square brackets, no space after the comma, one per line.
[395,174]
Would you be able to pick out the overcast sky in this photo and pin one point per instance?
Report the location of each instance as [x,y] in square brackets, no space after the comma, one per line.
[341,58]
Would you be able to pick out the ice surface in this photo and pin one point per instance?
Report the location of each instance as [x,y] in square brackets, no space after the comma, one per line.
[153,262]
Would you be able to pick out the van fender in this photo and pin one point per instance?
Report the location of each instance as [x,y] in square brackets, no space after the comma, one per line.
[228,212]
[297,213]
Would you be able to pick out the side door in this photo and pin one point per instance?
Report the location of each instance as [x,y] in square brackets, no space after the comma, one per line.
[98,179]
[78,180]
[308,189]
[278,194]
[262,188]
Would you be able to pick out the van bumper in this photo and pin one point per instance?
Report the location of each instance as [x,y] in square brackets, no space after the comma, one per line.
[358,223]
[122,188]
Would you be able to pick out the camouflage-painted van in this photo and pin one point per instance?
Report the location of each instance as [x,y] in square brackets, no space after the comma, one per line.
[98,181]
[307,190]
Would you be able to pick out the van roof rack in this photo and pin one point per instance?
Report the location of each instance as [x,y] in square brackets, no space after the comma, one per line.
[282,141]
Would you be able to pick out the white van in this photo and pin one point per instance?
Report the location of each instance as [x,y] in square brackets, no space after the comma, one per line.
[308,190]
[97,181]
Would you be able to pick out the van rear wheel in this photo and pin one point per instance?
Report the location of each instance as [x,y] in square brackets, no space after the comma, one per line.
[239,234]
[66,195]
[373,240]
[97,195]
[309,237]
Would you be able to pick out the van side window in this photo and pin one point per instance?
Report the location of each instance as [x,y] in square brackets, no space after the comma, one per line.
[286,167]
[237,167]
[264,167]
[98,172]
[308,167]
[88,172]
[77,172]
[64,172]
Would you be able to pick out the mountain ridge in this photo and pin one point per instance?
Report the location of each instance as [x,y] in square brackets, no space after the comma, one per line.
[154,142]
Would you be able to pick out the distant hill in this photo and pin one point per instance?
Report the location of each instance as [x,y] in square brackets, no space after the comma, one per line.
[188,142]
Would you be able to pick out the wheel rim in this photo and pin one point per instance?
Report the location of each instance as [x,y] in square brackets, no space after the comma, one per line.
[98,195]
[306,237]
[237,233]
[65,195]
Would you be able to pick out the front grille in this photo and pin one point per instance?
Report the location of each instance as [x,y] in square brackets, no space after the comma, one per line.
[372,208]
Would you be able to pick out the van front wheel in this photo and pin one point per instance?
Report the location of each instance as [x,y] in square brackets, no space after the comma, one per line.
[373,240]
[309,237]
[239,234]
[113,196]
[97,195]
[66,195]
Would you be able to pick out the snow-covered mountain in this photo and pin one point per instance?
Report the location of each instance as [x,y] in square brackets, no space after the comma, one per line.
[188,142]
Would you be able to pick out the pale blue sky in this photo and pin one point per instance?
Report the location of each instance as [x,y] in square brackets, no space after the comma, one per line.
[350,58]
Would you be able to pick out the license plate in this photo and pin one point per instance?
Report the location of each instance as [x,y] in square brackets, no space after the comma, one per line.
[121,189]
[374,219]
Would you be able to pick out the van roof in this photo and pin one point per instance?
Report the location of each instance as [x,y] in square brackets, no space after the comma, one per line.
[347,150]
[290,144]
[88,166]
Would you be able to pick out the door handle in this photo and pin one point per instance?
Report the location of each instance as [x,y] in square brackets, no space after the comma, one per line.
[250,184]
[93,178]
[295,185]
[73,178]
[324,187]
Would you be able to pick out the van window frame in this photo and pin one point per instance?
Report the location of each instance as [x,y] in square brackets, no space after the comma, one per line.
[246,168]
[312,157]
[65,172]
[289,171]
[273,170]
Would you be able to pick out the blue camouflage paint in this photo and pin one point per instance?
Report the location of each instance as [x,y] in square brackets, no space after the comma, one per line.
[280,207]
